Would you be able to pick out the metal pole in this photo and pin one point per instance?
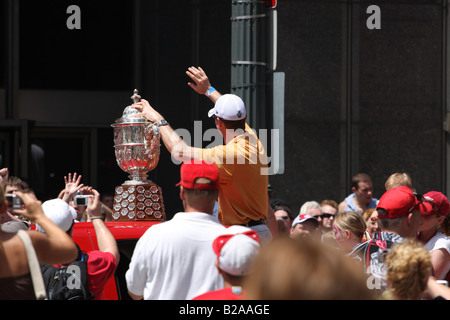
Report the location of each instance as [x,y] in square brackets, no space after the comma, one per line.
[248,58]
[12,80]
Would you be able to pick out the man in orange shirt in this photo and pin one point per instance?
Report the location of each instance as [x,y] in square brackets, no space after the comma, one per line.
[243,192]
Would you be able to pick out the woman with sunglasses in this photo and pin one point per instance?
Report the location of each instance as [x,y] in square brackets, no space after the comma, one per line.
[434,219]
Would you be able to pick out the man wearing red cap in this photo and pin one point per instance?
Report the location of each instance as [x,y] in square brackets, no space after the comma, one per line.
[436,212]
[173,260]
[242,161]
[399,216]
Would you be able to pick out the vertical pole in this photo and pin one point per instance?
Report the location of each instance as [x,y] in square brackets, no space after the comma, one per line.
[346,100]
[195,53]
[445,109]
[248,58]
[12,81]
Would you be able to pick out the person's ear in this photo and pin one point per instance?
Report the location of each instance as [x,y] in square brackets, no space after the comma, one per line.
[182,197]
[347,234]
[217,266]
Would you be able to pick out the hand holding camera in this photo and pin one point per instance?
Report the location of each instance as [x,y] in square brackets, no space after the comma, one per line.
[27,205]
[14,202]
[82,200]
[94,206]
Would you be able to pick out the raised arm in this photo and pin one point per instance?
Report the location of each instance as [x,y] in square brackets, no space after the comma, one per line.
[105,240]
[3,176]
[72,186]
[173,142]
[202,84]
[57,246]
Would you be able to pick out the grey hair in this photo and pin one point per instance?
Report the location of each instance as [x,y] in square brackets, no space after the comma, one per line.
[309,205]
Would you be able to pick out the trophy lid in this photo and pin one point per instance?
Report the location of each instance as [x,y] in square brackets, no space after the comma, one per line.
[129,112]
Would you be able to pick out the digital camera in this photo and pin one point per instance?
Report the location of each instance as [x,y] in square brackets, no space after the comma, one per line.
[81,200]
[14,202]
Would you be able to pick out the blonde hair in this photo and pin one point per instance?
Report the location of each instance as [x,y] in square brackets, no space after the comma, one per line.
[368,213]
[351,221]
[310,270]
[408,267]
[398,179]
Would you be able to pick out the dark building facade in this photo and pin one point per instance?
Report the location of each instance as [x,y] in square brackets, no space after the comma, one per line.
[365,91]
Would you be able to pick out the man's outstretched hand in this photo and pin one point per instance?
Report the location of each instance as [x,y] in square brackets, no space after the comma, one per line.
[200,78]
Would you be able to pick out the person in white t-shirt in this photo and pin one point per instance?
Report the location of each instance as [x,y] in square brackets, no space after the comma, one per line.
[174,260]
[437,209]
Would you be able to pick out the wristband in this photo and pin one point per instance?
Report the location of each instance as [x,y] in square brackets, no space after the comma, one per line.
[209,91]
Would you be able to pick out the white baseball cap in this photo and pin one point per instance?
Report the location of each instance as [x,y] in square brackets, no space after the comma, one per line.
[60,213]
[305,217]
[236,250]
[229,107]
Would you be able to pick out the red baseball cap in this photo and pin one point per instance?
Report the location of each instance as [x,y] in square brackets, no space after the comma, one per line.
[435,202]
[191,171]
[397,202]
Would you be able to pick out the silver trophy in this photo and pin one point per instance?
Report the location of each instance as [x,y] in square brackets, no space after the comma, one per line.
[137,144]
[137,149]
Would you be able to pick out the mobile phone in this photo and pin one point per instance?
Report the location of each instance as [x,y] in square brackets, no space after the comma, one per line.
[14,202]
[81,200]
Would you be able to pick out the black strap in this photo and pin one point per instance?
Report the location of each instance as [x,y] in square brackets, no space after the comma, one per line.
[253,223]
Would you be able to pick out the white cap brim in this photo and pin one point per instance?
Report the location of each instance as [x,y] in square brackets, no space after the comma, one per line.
[211,112]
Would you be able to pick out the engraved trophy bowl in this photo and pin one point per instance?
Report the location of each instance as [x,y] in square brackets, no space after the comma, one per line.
[136,143]
[137,148]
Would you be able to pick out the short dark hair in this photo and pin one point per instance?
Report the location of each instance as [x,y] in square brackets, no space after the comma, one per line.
[387,223]
[233,124]
[360,177]
[285,208]
[200,192]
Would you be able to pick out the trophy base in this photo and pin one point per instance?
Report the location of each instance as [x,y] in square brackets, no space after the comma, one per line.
[138,202]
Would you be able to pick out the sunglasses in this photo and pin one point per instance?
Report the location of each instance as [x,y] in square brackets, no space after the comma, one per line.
[326,215]
[418,197]
[422,199]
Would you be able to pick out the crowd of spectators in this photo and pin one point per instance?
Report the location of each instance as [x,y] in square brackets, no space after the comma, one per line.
[395,247]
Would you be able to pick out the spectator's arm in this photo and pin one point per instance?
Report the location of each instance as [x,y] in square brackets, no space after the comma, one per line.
[435,290]
[105,240]
[135,297]
[3,176]
[57,246]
